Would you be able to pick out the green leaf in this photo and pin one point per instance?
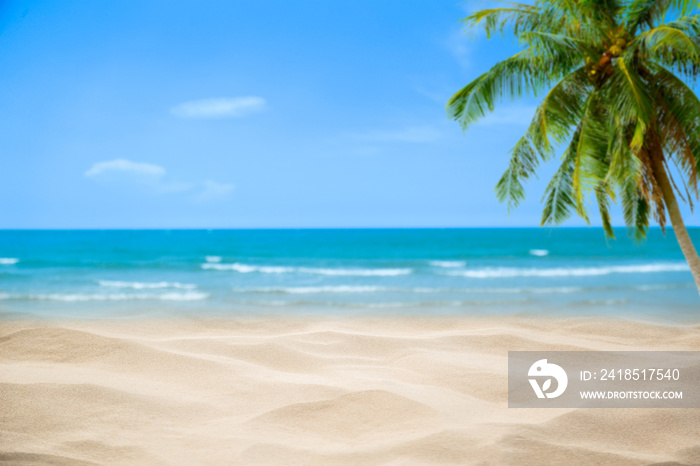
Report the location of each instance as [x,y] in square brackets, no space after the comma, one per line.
[523,162]
[616,82]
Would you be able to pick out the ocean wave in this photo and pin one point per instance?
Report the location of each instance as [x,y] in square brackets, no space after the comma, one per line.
[569,289]
[382,289]
[539,252]
[244,268]
[8,260]
[394,304]
[508,272]
[448,264]
[669,286]
[213,259]
[357,272]
[80,297]
[332,289]
[600,302]
[559,290]
[146,285]
[313,289]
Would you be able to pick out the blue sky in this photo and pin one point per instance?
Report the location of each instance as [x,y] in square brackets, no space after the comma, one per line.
[238,114]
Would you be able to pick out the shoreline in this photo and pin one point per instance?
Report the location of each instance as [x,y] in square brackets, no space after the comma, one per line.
[169,315]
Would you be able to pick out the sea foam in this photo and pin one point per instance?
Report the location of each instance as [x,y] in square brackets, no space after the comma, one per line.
[448,264]
[80,297]
[418,290]
[315,289]
[8,260]
[146,285]
[507,272]
[245,268]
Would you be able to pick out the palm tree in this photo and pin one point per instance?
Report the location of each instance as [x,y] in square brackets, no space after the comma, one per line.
[614,75]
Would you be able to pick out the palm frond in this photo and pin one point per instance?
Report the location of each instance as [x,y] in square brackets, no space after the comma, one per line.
[603,194]
[558,197]
[514,77]
[630,98]
[494,20]
[590,159]
[615,77]
[560,111]
[640,13]
[675,45]
[523,162]
[635,209]
[679,124]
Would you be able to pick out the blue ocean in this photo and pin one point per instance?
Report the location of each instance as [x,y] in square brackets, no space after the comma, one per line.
[567,271]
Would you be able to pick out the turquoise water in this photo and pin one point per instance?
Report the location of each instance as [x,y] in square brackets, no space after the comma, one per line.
[416,271]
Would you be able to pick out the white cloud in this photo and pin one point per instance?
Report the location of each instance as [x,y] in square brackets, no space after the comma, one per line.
[126,166]
[128,175]
[458,44]
[222,107]
[213,191]
[415,134]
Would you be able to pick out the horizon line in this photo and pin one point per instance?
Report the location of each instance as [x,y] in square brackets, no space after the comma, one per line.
[655,227]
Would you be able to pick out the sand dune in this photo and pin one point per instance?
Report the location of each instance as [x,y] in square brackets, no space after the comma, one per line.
[329,391]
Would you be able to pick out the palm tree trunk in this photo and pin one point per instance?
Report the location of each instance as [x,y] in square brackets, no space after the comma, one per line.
[674,214]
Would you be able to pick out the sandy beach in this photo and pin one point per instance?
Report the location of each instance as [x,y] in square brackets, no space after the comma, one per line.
[310,233]
[347,390]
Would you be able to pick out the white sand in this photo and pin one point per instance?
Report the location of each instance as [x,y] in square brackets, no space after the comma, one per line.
[317,391]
